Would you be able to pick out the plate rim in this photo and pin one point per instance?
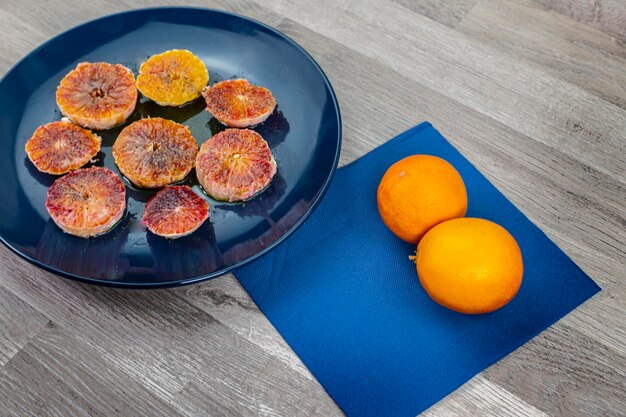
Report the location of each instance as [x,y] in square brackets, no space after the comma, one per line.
[228,269]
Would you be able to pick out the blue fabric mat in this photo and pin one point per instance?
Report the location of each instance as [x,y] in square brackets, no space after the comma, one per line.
[344,295]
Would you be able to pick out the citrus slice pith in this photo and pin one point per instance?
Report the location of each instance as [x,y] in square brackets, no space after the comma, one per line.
[237,103]
[235,165]
[87,202]
[175,211]
[59,147]
[172,78]
[97,95]
[155,152]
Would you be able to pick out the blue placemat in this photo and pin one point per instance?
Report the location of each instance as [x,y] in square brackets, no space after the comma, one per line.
[344,295]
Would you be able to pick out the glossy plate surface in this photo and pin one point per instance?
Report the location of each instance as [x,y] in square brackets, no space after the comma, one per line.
[304,133]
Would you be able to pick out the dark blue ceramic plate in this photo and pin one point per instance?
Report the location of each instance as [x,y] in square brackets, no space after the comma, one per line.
[304,134]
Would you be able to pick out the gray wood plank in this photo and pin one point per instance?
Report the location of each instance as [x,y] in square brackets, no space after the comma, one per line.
[481,397]
[56,375]
[169,346]
[250,8]
[606,15]
[51,18]
[573,52]
[227,301]
[552,373]
[448,13]
[23,38]
[19,323]
[603,318]
[478,76]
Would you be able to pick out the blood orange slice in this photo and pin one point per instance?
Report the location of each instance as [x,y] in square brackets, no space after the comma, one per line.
[155,152]
[59,147]
[234,165]
[97,95]
[237,103]
[175,211]
[87,202]
[172,78]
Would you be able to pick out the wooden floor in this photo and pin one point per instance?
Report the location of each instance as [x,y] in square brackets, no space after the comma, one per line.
[532,92]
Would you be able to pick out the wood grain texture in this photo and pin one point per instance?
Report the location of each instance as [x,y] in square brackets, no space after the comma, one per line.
[170,347]
[520,96]
[534,98]
[19,323]
[49,377]
[606,15]
[481,397]
[547,366]
[227,301]
[576,53]
[448,13]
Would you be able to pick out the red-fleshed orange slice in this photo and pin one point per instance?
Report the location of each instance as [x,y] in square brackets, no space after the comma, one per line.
[97,95]
[234,165]
[59,147]
[87,202]
[237,103]
[172,78]
[155,152]
[175,211]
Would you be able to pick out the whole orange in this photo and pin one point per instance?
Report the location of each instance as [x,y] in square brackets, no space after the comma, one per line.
[419,192]
[470,265]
